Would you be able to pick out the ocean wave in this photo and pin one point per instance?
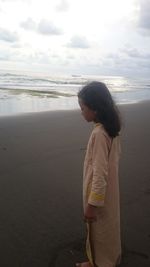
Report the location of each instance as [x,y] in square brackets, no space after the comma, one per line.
[38,93]
[38,82]
[8,74]
[62,88]
[30,93]
[67,85]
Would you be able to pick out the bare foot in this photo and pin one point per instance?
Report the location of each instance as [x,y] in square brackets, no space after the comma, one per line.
[84,264]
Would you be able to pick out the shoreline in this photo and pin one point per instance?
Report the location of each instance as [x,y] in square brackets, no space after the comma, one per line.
[66,110]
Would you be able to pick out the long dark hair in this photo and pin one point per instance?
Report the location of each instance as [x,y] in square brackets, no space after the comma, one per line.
[97,97]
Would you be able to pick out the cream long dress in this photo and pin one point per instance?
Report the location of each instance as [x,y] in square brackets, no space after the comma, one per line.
[101,189]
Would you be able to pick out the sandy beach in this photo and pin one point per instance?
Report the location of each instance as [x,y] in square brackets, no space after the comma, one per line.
[41,157]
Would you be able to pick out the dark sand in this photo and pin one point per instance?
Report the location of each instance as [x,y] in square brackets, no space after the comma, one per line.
[41,157]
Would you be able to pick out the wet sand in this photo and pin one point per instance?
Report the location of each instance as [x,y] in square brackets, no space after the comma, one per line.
[41,157]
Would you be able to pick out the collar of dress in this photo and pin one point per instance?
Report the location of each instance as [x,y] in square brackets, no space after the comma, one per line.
[97,124]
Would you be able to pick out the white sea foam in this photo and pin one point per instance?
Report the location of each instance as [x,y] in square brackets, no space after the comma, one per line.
[26,92]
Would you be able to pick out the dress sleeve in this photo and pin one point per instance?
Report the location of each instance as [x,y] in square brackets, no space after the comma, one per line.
[100,154]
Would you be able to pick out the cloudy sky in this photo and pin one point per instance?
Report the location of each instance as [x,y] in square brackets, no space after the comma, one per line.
[102,37]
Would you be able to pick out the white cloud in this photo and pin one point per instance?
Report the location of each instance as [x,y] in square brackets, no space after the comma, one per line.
[4,56]
[15,0]
[144,17]
[8,36]
[44,27]
[131,52]
[48,28]
[29,24]
[62,6]
[8,54]
[136,54]
[78,42]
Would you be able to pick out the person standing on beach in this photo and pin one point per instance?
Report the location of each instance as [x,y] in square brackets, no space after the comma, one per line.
[100,177]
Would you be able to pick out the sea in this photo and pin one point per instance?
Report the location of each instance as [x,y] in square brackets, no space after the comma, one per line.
[28,92]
